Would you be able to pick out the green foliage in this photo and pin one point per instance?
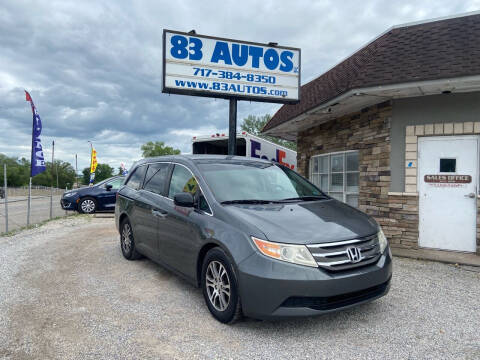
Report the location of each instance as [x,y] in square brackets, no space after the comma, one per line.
[18,173]
[103,171]
[254,125]
[66,175]
[157,148]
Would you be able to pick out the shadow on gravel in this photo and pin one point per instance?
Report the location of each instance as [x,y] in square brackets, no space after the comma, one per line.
[322,324]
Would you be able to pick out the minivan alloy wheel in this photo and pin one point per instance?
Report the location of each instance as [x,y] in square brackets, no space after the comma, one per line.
[87,206]
[218,285]
[126,238]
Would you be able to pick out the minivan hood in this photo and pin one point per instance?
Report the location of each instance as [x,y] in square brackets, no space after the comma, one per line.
[306,222]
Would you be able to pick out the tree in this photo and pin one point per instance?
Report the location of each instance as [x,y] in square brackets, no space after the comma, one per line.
[66,175]
[254,125]
[18,173]
[157,148]
[103,171]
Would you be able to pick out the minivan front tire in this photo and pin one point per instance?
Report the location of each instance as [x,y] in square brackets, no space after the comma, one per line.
[127,241]
[220,287]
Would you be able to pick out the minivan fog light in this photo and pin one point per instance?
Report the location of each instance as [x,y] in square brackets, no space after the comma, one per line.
[297,254]
[382,240]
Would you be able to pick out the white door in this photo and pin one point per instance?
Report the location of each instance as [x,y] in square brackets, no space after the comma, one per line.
[447,185]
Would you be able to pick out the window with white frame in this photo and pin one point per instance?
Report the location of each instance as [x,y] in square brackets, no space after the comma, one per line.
[337,175]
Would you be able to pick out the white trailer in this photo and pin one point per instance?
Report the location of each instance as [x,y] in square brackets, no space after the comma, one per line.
[247,145]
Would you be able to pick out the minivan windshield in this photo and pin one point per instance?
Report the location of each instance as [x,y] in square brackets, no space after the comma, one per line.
[256,182]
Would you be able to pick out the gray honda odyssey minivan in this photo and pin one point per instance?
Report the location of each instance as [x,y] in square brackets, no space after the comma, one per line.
[259,239]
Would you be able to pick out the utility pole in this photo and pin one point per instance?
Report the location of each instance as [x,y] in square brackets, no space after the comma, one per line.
[76,171]
[6,195]
[56,170]
[51,187]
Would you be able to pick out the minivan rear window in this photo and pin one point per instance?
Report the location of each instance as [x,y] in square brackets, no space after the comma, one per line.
[136,179]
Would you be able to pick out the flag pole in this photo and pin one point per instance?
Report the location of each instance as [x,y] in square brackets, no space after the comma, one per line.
[31,167]
[29,197]
[37,161]
[91,163]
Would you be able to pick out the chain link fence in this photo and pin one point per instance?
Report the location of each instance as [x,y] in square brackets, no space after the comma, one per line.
[15,212]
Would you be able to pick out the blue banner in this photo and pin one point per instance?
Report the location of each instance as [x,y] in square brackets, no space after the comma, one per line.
[37,159]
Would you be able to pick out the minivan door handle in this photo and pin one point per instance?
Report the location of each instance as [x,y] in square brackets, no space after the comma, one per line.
[159,213]
[471,195]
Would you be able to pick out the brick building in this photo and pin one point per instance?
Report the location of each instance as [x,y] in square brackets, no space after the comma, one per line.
[394,130]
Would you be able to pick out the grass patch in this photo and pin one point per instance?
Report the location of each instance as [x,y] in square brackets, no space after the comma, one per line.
[37,225]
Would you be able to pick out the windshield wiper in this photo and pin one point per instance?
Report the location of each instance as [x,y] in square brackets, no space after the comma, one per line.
[248,201]
[307,198]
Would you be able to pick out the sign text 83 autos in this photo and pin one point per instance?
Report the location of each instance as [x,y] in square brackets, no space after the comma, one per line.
[232,53]
[201,65]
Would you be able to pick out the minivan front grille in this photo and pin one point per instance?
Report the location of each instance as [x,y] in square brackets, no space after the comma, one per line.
[334,256]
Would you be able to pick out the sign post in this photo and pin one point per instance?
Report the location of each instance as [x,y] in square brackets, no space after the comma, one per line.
[200,65]
[232,127]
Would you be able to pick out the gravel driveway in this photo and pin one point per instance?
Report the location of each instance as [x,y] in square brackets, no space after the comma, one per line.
[67,292]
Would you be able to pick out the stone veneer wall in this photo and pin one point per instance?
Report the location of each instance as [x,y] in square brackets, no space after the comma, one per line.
[367,131]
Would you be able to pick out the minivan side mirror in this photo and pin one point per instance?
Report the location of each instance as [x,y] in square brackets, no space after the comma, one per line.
[184,199]
[108,187]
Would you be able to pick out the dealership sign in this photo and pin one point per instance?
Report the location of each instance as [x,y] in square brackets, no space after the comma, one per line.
[215,67]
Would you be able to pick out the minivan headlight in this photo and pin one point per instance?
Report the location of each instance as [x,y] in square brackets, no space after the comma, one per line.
[297,254]
[382,240]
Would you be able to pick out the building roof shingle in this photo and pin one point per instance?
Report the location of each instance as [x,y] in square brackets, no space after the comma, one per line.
[433,50]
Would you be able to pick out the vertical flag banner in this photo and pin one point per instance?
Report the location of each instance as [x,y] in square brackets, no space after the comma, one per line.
[124,169]
[37,160]
[93,165]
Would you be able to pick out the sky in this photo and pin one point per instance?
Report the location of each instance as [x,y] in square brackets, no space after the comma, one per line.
[94,69]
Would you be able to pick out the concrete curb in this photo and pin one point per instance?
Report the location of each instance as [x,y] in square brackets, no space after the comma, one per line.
[447,257]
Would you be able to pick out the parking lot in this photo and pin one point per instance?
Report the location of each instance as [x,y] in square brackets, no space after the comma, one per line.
[66,292]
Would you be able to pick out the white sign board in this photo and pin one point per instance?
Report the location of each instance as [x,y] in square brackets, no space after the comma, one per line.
[207,66]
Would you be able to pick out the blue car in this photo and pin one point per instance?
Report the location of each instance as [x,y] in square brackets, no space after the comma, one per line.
[100,197]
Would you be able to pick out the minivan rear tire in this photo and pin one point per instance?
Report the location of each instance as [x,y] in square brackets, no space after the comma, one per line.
[217,287]
[127,241]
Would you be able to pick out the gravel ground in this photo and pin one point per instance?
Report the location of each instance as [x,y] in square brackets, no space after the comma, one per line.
[67,293]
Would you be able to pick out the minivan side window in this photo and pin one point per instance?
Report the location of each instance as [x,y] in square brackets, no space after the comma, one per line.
[136,179]
[156,178]
[182,181]
[203,204]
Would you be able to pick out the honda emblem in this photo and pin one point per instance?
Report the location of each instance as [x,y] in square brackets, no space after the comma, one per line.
[354,254]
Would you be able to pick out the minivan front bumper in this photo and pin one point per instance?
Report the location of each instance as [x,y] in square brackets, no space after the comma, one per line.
[272,289]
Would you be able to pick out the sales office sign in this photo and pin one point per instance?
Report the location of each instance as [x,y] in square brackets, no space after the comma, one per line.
[448,179]
[215,67]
